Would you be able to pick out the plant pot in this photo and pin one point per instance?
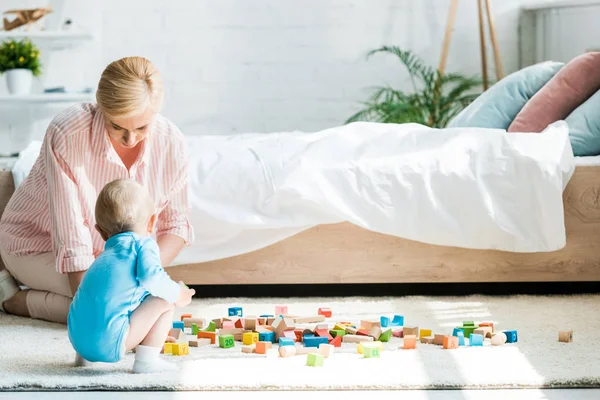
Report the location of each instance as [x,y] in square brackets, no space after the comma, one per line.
[19,81]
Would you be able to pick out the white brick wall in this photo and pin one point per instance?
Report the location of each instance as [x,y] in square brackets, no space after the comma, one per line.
[271,65]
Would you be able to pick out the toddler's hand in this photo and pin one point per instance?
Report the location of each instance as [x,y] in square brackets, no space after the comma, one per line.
[185,295]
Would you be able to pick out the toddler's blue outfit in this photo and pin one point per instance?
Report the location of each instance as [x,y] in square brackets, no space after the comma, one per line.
[115,285]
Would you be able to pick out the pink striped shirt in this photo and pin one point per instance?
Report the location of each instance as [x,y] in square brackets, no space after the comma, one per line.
[53,210]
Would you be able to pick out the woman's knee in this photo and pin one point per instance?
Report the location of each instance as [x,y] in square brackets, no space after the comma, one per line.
[160,303]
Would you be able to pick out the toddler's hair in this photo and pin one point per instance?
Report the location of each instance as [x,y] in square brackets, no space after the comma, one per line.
[123,205]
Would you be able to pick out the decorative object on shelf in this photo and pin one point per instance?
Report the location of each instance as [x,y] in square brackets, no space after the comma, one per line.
[26,18]
[436,98]
[62,89]
[20,60]
[67,24]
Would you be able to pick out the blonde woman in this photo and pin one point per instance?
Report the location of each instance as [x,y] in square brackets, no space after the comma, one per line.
[47,235]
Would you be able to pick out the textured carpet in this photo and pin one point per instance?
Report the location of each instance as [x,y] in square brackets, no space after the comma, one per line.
[37,355]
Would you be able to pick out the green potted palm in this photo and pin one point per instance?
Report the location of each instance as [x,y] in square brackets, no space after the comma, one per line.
[20,61]
[435,98]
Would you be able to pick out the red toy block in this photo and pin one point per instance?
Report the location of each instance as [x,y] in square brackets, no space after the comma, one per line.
[337,341]
[323,333]
[450,342]
[184,316]
[398,333]
[210,335]
[239,323]
[299,334]
[363,332]
[326,312]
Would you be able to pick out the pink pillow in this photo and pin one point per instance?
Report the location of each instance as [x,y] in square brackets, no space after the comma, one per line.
[570,87]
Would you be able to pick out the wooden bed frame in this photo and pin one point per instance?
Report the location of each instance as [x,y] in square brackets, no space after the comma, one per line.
[345,253]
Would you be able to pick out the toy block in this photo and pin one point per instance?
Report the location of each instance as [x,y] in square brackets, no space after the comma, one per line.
[168,348]
[326,350]
[184,316]
[309,320]
[300,349]
[235,332]
[484,331]
[438,339]
[425,332]
[339,327]
[384,321]
[248,348]
[249,338]
[336,333]
[398,320]
[240,324]
[468,323]
[410,342]
[362,332]
[356,339]
[498,338]
[427,339]
[282,324]
[475,339]
[201,322]
[375,332]
[323,333]
[467,330]
[199,342]
[178,325]
[315,341]
[456,330]
[322,326]
[195,329]
[450,342]
[371,350]
[272,353]
[228,325]
[290,335]
[326,312]
[250,323]
[261,321]
[360,349]
[399,333]
[565,336]
[281,310]
[351,331]
[267,337]
[287,351]
[212,327]
[367,324]
[270,320]
[306,334]
[314,360]
[218,323]
[460,335]
[337,341]
[385,336]
[237,311]
[283,341]
[180,349]
[226,341]
[266,316]
[490,324]
[177,334]
[262,347]
[208,335]
[411,330]
[299,334]
[511,336]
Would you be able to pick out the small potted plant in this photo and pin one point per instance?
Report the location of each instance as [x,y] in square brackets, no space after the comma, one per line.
[20,60]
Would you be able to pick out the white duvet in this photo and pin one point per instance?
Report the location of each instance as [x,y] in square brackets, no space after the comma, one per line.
[465,187]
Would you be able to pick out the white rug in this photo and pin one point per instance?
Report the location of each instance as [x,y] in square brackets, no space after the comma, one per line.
[37,355]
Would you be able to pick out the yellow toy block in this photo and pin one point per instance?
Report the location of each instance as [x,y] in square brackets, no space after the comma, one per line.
[250,338]
[360,349]
[424,333]
[339,327]
[180,349]
[168,348]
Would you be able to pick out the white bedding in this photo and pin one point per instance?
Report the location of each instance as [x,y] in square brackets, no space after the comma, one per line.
[466,187]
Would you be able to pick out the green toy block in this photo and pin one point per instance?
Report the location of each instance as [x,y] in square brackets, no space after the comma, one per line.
[212,327]
[226,341]
[468,323]
[467,329]
[385,336]
[337,332]
[195,329]
[314,360]
[371,350]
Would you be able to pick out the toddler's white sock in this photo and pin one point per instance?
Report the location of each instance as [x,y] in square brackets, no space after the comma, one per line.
[81,362]
[147,361]
[8,287]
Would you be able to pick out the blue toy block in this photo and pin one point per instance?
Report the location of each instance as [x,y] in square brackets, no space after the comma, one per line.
[267,316]
[307,335]
[235,312]
[398,320]
[461,337]
[476,339]
[266,337]
[456,330]
[178,325]
[315,341]
[385,322]
[283,341]
[511,336]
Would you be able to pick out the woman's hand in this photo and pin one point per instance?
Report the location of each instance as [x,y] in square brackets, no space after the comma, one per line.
[185,295]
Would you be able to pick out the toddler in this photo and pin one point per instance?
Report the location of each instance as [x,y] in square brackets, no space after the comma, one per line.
[125,299]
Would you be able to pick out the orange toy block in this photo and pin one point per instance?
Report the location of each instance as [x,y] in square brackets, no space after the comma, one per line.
[450,342]
[184,316]
[208,335]
[326,312]
[323,333]
[490,324]
[262,347]
[410,341]
[336,342]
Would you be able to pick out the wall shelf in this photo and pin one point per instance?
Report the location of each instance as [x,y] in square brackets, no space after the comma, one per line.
[56,40]
[48,98]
